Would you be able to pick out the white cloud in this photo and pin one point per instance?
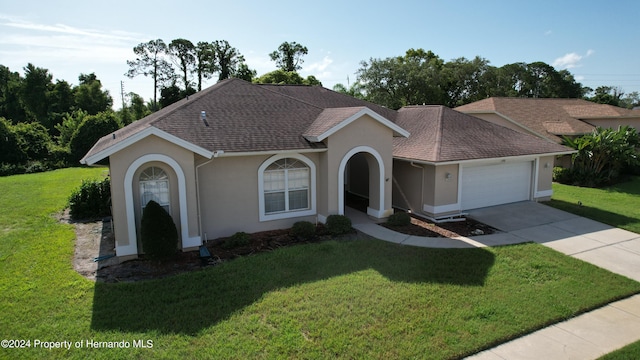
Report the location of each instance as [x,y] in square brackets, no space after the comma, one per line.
[318,68]
[567,61]
[590,52]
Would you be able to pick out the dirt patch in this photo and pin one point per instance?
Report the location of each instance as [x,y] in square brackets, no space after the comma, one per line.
[420,227]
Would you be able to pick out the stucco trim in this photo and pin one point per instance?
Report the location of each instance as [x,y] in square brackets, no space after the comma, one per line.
[366,111]
[288,214]
[141,135]
[440,209]
[542,194]
[132,248]
[343,165]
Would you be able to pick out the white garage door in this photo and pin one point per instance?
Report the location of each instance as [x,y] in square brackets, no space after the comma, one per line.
[490,185]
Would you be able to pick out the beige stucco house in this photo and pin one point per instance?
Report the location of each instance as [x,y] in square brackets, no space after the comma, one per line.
[247,157]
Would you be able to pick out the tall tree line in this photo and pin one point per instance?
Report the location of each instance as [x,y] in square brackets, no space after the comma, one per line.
[422,77]
[179,68]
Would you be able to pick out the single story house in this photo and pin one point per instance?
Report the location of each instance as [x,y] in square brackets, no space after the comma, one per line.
[252,157]
[551,118]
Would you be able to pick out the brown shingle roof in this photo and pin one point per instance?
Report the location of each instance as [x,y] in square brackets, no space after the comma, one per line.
[440,134]
[246,117]
[533,113]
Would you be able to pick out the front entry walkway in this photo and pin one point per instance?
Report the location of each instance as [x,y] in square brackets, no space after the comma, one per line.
[587,336]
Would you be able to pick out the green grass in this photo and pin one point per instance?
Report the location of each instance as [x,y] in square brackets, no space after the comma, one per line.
[339,299]
[629,352]
[616,205]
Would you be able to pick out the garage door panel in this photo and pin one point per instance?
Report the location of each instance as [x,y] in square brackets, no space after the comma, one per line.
[491,185]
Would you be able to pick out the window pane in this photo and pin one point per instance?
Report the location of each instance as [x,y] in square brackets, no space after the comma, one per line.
[274,202]
[274,180]
[298,199]
[298,178]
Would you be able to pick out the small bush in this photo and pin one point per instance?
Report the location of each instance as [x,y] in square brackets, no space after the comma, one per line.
[236,240]
[158,232]
[399,219]
[303,230]
[561,175]
[338,224]
[91,200]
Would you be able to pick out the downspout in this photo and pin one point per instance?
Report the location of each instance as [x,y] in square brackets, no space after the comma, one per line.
[215,155]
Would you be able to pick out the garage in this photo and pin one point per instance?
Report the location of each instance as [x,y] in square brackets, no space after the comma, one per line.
[488,185]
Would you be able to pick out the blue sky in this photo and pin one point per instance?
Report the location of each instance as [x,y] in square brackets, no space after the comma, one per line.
[595,40]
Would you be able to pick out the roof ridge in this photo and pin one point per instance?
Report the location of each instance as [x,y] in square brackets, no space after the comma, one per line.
[288,96]
[439,132]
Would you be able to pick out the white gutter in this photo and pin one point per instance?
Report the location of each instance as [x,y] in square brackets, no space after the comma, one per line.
[215,155]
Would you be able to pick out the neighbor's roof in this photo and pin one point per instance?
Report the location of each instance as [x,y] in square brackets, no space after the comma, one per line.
[441,134]
[550,118]
[241,117]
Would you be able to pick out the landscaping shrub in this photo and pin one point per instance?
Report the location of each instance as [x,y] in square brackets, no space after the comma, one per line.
[561,175]
[91,200]
[158,232]
[236,240]
[338,224]
[399,219]
[303,230]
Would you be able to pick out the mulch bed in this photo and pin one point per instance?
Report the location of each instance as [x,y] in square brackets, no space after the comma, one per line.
[420,227]
[145,269]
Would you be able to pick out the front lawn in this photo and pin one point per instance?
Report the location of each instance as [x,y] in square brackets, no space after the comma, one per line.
[338,299]
[617,205]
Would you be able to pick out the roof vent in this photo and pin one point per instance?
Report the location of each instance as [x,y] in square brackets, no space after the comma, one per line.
[203,117]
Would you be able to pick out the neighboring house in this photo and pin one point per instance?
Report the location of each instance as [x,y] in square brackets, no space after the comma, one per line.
[246,157]
[551,118]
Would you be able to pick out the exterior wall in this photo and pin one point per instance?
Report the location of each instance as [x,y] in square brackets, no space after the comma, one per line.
[229,196]
[446,189]
[363,133]
[614,123]
[544,188]
[121,163]
[407,185]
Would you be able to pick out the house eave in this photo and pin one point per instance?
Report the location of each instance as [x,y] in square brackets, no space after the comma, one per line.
[468,161]
[103,154]
[398,131]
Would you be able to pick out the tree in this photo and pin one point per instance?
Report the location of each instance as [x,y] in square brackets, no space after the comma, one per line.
[169,95]
[62,101]
[10,88]
[607,95]
[630,100]
[286,77]
[288,57]
[150,62]
[34,91]
[183,55]
[603,155]
[355,90]
[464,80]
[10,150]
[89,95]
[138,107]
[205,61]
[33,139]
[414,78]
[92,128]
[245,73]
[227,59]
[68,126]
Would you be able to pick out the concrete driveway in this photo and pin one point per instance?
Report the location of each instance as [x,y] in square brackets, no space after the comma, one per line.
[611,248]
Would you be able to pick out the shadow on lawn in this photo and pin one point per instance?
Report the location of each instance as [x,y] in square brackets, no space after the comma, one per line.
[607,217]
[193,301]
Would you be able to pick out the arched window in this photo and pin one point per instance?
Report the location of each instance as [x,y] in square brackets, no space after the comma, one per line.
[154,185]
[286,187]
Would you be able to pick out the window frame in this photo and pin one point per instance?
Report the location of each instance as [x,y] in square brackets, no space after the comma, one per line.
[155,178]
[287,213]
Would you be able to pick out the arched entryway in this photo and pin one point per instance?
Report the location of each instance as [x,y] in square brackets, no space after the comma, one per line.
[150,168]
[362,172]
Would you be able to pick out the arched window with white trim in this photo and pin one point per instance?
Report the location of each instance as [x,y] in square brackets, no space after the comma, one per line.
[154,185]
[287,187]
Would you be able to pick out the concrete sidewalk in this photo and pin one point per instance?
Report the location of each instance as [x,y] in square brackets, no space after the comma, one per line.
[587,336]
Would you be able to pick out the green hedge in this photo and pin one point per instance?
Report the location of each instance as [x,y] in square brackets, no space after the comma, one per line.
[91,200]
[158,232]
